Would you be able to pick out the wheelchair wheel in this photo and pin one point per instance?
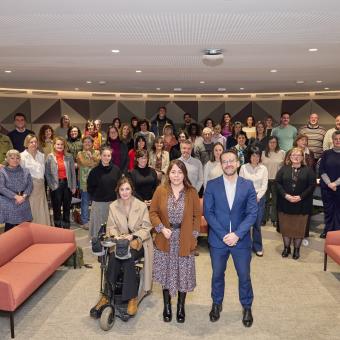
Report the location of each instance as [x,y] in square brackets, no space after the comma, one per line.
[107,319]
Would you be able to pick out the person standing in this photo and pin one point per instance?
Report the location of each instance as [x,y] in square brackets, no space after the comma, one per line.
[203,151]
[193,165]
[269,125]
[301,141]
[62,129]
[249,127]
[87,159]
[168,137]
[218,137]
[159,158]
[18,135]
[101,184]
[46,135]
[140,144]
[315,134]
[34,161]
[273,159]
[213,168]
[15,186]
[328,140]
[230,208]
[226,125]
[175,216]
[295,186]
[241,147]
[232,139]
[5,145]
[258,174]
[157,125]
[285,132]
[330,185]
[149,136]
[187,120]
[61,179]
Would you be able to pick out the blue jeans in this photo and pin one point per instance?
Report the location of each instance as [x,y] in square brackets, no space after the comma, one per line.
[84,207]
[257,236]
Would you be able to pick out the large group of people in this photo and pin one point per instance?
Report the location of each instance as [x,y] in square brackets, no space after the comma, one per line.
[143,176]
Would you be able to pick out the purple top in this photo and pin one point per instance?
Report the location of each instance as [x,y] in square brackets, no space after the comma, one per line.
[115,146]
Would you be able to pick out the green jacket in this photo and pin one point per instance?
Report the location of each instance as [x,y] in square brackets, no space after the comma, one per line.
[5,145]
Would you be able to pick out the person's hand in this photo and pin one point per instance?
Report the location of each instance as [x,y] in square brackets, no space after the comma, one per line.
[73,191]
[231,239]
[19,199]
[1,165]
[257,199]
[167,233]
[147,202]
[128,237]
[332,186]
[296,199]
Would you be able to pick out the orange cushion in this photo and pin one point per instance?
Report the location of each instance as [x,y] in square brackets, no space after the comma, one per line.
[19,280]
[52,254]
[333,251]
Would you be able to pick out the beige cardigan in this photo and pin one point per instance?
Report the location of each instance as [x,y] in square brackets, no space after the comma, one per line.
[138,222]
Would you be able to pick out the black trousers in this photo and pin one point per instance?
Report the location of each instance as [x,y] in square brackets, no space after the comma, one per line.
[130,284]
[331,208]
[9,226]
[61,197]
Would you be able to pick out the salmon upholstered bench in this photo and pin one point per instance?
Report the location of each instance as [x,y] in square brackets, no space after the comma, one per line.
[29,254]
[332,247]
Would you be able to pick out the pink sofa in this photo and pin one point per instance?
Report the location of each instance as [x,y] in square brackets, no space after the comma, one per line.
[29,254]
[332,247]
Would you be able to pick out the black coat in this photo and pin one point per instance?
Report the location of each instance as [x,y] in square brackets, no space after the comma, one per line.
[304,187]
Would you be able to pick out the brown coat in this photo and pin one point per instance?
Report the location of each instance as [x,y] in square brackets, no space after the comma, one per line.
[138,222]
[191,219]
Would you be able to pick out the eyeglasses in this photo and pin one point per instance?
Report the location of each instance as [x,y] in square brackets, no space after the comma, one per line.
[229,161]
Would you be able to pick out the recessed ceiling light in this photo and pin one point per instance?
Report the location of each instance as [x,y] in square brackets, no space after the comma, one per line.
[138,71]
[273,71]
[202,82]
[241,88]
[221,89]
[313,49]
[326,88]
[319,81]
[300,82]
[88,82]
[76,88]
[8,71]
[115,51]
[177,89]
[102,82]
[158,88]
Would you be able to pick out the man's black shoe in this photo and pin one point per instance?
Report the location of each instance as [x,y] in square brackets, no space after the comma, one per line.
[247,317]
[323,235]
[215,312]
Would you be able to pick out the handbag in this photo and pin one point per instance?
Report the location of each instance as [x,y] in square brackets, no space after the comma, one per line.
[123,249]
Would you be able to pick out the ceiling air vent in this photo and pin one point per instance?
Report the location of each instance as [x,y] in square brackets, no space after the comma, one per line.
[296,95]
[105,95]
[131,96]
[239,96]
[45,93]
[327,94]
[268,95]
[13,92]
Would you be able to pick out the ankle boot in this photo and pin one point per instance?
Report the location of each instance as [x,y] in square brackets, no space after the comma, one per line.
[180,316]
[296,253]
[286,252]
[167,313]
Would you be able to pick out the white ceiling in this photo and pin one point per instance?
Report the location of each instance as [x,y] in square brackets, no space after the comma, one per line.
[62,44]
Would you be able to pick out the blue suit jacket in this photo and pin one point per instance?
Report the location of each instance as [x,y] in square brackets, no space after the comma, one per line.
[218,214]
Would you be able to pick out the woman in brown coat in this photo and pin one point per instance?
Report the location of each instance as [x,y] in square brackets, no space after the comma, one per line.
[175,215]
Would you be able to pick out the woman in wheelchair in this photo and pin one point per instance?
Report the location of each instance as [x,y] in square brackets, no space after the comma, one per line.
[129,220]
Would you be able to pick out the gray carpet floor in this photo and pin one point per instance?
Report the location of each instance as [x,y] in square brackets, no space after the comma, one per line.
[293,300]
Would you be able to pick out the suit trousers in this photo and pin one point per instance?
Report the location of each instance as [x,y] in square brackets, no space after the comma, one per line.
[241,257]
[331,208]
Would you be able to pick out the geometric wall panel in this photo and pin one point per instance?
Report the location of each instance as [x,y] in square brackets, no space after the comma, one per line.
[261,109]
[235,107]
[190,107]
[301,115]
[292,106]
[332,106]
[127,110]
[82,107]
[325,118]
[242,114]
[151,108]
[210,109]
[8,107]
[23,107]
[45,110]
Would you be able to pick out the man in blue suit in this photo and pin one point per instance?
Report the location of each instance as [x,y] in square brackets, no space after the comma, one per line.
[230,209]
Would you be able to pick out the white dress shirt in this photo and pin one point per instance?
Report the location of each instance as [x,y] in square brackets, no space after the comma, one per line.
[35,166]
[230,190]
[259,177]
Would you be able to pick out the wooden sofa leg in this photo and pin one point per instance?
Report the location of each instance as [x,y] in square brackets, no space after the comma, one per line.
[11,320]
[325,262]
[75,260]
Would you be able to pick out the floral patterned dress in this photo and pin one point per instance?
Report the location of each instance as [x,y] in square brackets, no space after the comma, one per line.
[174,272]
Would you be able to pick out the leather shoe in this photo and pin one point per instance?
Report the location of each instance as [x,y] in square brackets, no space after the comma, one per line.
[323,235]
[285,252]
[132,307]
[215,312]
[296,253]
[259,253]
[247,319]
